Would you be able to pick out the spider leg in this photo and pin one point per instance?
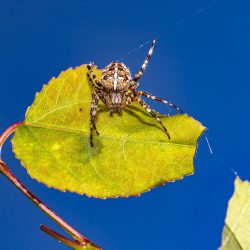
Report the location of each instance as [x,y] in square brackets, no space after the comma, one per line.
[146,94]
[91,81]
[145,63]
[93,108]
[152,113]
[92,75]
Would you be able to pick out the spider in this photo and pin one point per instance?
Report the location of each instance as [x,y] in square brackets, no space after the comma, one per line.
[117,90]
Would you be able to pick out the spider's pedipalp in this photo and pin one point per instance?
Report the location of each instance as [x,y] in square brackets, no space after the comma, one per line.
[146,94]
[145,63]
[152,113]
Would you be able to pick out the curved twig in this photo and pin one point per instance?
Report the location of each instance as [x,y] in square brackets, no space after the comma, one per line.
[79,241]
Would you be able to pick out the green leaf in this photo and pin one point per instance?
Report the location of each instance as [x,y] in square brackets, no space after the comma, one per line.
[236,232]
[131,155]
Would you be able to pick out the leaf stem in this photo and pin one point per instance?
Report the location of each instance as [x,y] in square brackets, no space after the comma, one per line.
[79,239]
[60,237]
[7,133]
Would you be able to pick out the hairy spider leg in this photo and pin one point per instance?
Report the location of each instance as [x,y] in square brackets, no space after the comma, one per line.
[90,81]
[152,113]
[145,63]
[93,76]
[93,108]
[146,94]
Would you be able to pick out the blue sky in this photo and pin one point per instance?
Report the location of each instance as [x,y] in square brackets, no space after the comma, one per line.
[201,63]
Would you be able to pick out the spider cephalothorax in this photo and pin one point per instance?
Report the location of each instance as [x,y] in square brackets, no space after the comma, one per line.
[117,89]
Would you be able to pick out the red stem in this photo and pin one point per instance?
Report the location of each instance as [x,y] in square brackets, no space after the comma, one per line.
[8,132]
[80,240]
[61,238]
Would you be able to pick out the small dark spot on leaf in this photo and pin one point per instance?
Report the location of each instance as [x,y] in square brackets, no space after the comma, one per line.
[80,109]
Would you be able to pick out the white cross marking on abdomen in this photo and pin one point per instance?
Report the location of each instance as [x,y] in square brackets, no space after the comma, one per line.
[115,78]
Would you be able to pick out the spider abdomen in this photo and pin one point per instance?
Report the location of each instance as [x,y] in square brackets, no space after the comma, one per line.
[116,77]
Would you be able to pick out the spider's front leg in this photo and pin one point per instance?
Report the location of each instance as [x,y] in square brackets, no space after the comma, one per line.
[93,108]
[145,63]
[91,75]
[146,94]
[151,112]
[96,88]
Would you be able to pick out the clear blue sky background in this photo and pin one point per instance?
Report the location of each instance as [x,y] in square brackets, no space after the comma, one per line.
[201,63]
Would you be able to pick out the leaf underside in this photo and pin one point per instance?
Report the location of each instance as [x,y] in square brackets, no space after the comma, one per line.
[131,155]
[236,232]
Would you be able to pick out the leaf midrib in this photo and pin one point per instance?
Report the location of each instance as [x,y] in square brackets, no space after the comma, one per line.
[107,137]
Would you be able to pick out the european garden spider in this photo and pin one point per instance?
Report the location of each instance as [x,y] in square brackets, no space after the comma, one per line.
[117,90]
